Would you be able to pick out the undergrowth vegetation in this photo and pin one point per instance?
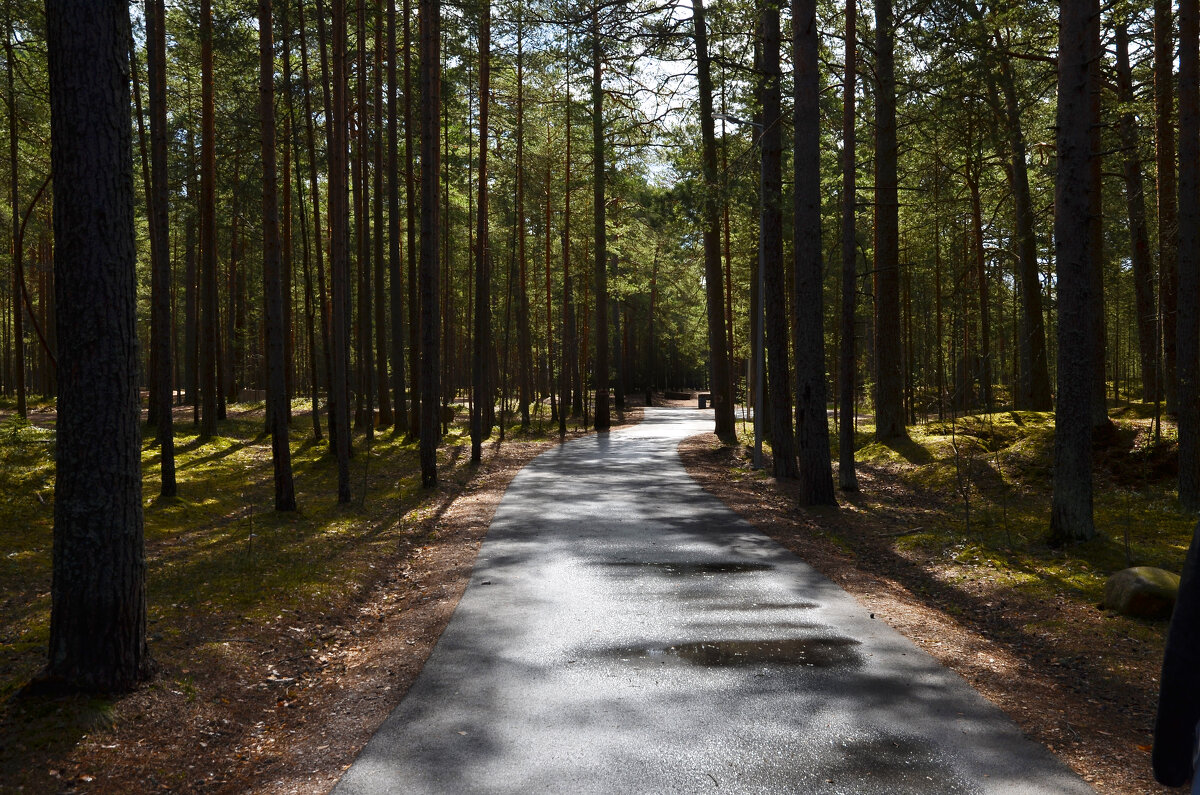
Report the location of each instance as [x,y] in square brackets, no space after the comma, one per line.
[219,559]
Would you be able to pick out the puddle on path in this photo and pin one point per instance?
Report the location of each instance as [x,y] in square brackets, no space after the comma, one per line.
[814,652]
[688,568]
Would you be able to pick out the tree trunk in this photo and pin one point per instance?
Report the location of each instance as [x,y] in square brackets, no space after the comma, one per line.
[771,243]
[599,177]
[339,255]
[524,344]
[1033,391]
[277,395]
[1071,512]
[98,595]
[1168,222]
[812,421]
[396,284]
[431,108]
[1187,310]
[889,361]
[383,392]
[415,368]
[722,385]
[482,341]
[18,313]
[156,41]
[208,231]
[1135,195]
[847,477]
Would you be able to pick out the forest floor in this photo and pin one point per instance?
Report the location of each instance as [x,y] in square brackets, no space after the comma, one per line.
[282,640]
[1017,619]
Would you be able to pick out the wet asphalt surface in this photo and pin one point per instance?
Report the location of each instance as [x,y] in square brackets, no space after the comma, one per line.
[625,632]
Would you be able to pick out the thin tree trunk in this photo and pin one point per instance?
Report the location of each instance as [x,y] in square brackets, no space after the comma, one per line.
[889,378]
[524,344]
[277,394]
[847,477]
[98,595]
[1168,222]
[812,421]
[339,255]
[431,106]
[771,241]
[318,238]
[208,231]
[1187,310]
[1143,268]
[599,177]
[410,209]
[18,313]
[1071,512]
[721,387]
[1033,392]
[396,284]
[482,342]
[381,336]
[156,41]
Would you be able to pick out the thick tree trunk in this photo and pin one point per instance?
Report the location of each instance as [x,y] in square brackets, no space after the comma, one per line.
[482,341]
[722,384]
[98,595]
[339,256]
[1168,222]
[847,477]
[779,379]
[599,177]
[574,380]
[431,108]
[156,41]
[277,394]
[812,421]
[1188,308]
[208,231]
[1135,196]
[889,360]
[1071,512]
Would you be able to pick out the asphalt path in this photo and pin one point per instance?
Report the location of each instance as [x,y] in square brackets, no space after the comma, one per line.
[625,632]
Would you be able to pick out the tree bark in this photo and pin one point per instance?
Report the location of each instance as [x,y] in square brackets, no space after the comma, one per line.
[602,419]
[156,42]
[722,385]
[779,375]
[1071,512]
[395,282]
[208,231]
[1168,222]
[410,208]
[1135,199]
[847,477]
[98,595]
[482,341]
[383,392]
[1033,390]
[812,421]
[431,108]
[524,344]
[277,394]
[339,255]
[18,313]
[889,361]
[1187,331]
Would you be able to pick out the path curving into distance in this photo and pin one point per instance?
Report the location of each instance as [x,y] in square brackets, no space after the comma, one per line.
[625,632]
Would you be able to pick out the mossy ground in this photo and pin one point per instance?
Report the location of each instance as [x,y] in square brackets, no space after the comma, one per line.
[220,559]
